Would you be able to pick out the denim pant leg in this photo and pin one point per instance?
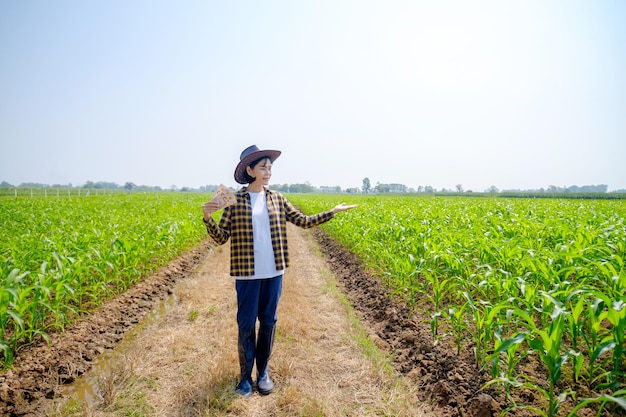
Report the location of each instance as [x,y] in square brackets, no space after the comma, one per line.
[271,290]
[247,302]
[258,298]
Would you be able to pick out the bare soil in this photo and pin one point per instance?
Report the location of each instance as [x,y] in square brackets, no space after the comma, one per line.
[186,364]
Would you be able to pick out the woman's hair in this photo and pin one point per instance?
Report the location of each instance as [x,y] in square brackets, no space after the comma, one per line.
[254,163]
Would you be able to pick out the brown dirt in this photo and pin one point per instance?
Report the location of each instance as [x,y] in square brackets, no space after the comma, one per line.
[184,359]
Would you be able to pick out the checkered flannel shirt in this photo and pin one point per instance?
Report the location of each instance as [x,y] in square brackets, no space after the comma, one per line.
[236,224]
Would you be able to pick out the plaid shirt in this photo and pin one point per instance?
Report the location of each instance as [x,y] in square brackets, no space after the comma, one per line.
[236,224]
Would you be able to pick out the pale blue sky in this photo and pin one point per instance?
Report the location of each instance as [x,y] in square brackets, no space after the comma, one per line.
[516,94]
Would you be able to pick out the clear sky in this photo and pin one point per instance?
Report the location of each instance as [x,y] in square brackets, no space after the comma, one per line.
[514,94]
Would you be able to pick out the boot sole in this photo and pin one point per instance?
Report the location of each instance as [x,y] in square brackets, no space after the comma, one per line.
[267,389]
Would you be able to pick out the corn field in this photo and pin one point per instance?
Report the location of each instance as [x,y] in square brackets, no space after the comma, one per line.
[61,257]
[508,278]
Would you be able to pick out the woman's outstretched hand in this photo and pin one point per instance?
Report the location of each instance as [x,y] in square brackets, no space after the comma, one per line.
[343,207]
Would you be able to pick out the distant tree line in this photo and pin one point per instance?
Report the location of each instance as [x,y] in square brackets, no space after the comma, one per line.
[100,185]
[366,188]
[602,188]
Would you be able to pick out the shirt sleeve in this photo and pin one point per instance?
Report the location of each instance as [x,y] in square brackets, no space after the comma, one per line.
[295,216]
[220,233]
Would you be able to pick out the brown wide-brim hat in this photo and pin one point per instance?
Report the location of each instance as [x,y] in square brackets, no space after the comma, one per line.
[248,156]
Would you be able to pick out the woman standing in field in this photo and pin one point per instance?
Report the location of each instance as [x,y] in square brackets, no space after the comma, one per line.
[256,225]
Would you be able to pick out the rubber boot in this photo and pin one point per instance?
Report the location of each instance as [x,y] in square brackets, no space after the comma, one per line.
[263,352]
[246,361]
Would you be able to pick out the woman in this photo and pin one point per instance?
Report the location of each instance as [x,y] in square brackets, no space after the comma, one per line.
[256,226]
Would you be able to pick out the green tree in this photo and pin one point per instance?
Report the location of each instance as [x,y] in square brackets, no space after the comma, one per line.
[366,185]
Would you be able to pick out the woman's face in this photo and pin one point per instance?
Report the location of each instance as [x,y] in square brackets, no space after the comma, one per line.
[261,172]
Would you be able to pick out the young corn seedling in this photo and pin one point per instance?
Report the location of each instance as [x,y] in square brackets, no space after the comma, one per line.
[547,343]
[575,320]
[598,343]
[506,353]
[485,320]
[618,399]
[616,315]
[456,315]
[9,318]
[439,290]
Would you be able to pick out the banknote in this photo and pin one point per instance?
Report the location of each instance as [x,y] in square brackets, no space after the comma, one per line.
[224,197]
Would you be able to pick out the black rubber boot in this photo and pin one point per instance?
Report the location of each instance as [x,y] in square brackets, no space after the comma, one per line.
[263,352]
[246,361]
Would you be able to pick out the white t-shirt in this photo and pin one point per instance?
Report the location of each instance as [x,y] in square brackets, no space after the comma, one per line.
[264,264]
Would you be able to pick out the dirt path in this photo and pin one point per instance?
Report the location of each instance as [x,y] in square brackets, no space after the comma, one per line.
[186,363]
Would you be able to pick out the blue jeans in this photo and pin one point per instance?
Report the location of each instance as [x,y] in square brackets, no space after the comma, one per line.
[258,298]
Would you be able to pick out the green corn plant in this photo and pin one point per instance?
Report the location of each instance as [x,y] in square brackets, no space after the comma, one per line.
[613,267]
[578,362]
[575,320]
[439,289]
[618,399]
[547,343]
[575,324]
[615,314]
[11,319]
[598,343]
[617,317]
[529,292]
[484,315]
[456,314]
[536,411]
[62,295]
[434,325]
[9,296]
[37,301]
[506,352]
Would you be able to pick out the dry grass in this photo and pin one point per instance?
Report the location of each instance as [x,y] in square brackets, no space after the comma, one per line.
[323,364]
